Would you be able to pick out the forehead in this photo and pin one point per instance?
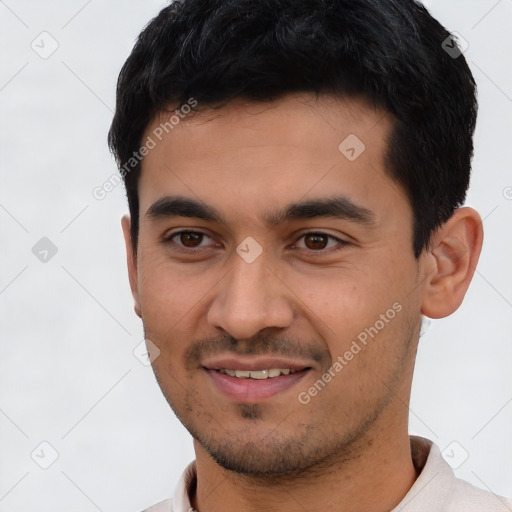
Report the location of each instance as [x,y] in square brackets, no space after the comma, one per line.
[252,156]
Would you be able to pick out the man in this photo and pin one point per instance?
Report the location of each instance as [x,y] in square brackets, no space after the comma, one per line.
[295,171]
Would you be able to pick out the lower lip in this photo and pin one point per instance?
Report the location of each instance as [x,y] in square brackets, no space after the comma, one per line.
[253,390]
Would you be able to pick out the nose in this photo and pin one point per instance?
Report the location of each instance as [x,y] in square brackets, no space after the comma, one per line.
[250,298]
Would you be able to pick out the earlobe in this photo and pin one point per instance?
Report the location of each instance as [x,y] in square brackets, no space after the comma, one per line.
[452,259]
[131,259]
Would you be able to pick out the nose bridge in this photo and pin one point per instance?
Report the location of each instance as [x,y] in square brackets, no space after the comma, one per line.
[250,299]
[248,281]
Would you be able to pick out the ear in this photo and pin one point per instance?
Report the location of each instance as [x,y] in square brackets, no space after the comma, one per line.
[450,262]
[131,258]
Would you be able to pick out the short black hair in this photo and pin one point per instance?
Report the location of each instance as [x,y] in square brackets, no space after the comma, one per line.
[391,52]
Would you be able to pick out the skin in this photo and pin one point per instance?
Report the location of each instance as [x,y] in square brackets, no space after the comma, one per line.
[304,298]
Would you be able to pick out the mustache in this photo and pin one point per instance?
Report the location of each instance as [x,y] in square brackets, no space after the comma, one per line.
[261,344]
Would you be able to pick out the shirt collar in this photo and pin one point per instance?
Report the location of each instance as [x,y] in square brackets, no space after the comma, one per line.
[184,488]
[432,488]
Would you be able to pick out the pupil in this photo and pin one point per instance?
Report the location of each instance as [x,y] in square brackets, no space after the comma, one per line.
[316,241]
[191,239]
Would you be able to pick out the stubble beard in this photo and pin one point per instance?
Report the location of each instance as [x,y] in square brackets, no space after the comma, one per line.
[273,458]
[310,448]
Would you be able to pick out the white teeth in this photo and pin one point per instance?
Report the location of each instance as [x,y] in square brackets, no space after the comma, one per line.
[260,375]
[257,374]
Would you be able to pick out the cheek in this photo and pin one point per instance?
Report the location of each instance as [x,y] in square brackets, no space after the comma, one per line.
[166,293]
[343,303]
[169,303]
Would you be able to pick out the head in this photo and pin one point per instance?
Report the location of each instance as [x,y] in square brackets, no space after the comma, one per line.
[295,172]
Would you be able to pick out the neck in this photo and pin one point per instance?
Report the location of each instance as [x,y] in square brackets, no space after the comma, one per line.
[376,476]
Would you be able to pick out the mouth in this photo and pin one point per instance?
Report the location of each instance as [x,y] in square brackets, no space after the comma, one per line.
[258,374]
[253,382]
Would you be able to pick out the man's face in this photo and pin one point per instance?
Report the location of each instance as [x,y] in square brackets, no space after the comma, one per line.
[265,246]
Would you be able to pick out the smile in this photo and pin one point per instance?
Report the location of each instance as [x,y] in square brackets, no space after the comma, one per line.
[254,385]
[257,374]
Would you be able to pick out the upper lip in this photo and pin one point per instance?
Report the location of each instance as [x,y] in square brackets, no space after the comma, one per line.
[253,363]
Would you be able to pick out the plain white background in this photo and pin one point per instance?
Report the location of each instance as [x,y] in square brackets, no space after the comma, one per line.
[68,374]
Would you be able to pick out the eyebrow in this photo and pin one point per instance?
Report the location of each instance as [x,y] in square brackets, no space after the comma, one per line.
[338,207]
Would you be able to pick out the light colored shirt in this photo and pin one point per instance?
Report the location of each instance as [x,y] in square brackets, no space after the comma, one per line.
[435,490]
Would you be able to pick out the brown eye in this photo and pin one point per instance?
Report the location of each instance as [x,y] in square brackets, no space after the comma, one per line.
[322,243]
[191,239]
[316,241]
[189,242]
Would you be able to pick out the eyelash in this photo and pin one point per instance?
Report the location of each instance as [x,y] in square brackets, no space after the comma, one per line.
[341,244]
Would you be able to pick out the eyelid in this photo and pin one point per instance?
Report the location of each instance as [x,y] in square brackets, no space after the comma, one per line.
[340,241]
[169,235]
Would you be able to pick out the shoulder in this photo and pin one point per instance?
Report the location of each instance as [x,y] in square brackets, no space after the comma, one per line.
[163,506]
[465,497]
[437,489]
